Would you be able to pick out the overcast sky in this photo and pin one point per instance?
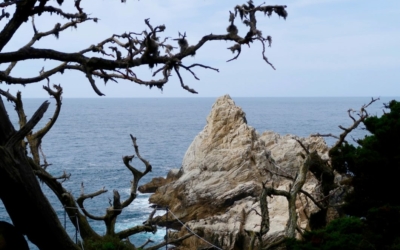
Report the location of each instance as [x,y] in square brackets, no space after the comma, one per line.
[323,48]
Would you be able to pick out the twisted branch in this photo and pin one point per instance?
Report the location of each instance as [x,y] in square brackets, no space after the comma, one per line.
[362,115]
[135,50]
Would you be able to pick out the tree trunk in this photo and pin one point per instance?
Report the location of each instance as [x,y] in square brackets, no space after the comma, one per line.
[27,206]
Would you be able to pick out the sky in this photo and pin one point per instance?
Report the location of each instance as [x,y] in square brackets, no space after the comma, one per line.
[323,48]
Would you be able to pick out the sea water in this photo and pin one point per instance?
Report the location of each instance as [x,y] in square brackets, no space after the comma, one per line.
[91,136]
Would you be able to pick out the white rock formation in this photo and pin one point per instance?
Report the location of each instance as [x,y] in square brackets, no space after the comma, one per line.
[220,180]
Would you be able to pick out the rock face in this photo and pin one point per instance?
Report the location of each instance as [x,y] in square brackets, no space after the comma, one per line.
[216,191]
[155,183]
[152,186]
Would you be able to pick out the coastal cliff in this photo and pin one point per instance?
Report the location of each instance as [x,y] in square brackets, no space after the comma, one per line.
[216,191]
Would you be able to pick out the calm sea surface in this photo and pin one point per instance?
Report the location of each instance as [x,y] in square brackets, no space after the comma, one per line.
[92,135]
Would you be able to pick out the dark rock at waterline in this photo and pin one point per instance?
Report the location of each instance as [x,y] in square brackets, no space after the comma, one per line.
[155,183]
[152,186]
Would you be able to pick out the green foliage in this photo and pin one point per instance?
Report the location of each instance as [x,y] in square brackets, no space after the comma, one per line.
[380,230]
[375,167]
[107,243]
[375,163]
[318,219]
[343,233]
[384,227]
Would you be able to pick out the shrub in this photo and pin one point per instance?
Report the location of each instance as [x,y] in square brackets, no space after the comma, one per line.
[107,243]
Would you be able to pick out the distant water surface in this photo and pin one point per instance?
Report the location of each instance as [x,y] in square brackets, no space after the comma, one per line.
[91,136]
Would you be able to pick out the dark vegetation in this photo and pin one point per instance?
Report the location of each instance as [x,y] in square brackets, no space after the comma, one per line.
[372,209]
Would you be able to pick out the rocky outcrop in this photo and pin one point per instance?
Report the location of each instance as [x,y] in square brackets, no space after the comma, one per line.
[157,182]
[218,186]
[152,186]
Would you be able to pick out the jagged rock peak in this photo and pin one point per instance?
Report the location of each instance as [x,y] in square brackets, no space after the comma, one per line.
[217,189]
[226,133]
[223,164]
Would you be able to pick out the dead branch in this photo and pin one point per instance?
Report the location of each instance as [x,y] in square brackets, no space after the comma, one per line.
[64,177]
[290,195]
[362,115]
[201,65]
[148,226]
[331,193]
[149,221]
[284,175]
[188,69]
[175,241]
[8,3]
[136,55]
[237,47]
[325,135]
[134,230]
[320,169]
[317,203]
[35,139]
[182,84]
[9,68]
[147,242]
[8,95]
[67,200]
[55,31]
[265,224]
[306,149]
[53,10]
[20,135]
[137,175]
[159,70]
[4,14]
[82,199]
[116,203]
[117,206]
[274,244]
[4,75]
[263,52]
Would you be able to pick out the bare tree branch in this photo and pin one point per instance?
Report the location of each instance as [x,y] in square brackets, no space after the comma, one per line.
[137,175]
[362,115]
[325,135]
[237,47]
[135,56]
[175,241]
[82,199]
[312,198]
[263,53]
[182,84]
[4,14]
[8,3]
[148,226]
[20,135]
[20,16]
[145,244]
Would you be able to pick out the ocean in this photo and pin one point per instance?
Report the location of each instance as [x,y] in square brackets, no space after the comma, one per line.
[91,136]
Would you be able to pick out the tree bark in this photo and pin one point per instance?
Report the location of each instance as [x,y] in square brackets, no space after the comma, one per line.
[27,206]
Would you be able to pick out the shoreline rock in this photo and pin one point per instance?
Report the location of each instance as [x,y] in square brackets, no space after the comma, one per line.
[216,190]
[155,183]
